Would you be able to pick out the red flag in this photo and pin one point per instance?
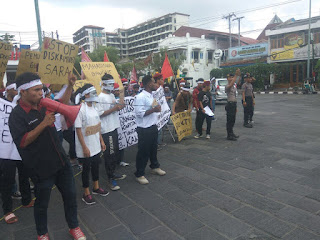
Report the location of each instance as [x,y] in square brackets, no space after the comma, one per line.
[166,69]
[133,74]
[105,58]
[84,58]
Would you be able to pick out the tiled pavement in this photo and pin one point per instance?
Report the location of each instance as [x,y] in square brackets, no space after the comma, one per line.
[264,186]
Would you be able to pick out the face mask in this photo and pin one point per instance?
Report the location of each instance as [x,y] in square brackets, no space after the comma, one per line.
[108,87]
[93,97]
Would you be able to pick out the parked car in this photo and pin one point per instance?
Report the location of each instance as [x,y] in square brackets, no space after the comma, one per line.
[221,84]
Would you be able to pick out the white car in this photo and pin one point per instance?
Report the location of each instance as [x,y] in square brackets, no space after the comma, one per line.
[221,84]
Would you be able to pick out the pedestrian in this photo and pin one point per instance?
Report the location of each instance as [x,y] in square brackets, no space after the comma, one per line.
[108,110]
[89,142]
[231,107]
[213,93]
[135,90]
[147,111]
[167,94]
[205,100]
[247,101]
[183,101]
[36,138]
[196,103]
[125,86]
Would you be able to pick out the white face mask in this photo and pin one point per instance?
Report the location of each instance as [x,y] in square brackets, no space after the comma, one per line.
[108,87]
[93,97]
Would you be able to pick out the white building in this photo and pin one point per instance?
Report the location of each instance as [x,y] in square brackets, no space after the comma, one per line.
[89,38]
[198,47]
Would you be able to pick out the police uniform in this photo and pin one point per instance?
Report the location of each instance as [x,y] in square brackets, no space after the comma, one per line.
[231,109]
[248,109]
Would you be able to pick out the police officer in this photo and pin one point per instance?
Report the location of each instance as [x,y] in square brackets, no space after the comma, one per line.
[231,106]
[247,101]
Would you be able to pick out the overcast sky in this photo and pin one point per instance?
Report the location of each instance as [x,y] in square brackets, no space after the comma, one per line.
[67,16]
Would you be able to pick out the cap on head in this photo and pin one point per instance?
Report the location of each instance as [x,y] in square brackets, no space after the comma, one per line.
[230,75]
[157,76]
[116,86]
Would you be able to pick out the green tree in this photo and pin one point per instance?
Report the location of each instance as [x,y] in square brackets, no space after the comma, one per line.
[98,54]
[7,38]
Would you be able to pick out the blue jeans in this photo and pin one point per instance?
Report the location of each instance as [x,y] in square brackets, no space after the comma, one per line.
[213,104]
[64,181]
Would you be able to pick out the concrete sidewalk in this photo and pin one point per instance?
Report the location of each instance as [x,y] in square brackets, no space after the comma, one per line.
[264,186]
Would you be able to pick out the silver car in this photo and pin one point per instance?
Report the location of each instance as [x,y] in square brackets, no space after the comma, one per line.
[221,84]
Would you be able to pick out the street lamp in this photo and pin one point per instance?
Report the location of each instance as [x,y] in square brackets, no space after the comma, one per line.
[309,40]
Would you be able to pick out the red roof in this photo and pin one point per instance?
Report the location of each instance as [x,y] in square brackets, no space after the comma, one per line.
[248,41]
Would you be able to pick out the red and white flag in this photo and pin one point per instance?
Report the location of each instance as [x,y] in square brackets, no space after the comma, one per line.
[84,58]
[105,58]
[133,74]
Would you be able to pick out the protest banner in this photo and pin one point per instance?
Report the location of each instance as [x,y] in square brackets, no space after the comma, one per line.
[8,149]
[5,51]
[56,61]
[95,70]
[127,134]
[164,115]
[183,124]
[28,61]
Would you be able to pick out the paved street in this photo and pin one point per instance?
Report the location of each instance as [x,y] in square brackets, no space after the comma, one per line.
[264,186]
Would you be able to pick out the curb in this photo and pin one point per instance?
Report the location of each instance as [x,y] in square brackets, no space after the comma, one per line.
[276,92]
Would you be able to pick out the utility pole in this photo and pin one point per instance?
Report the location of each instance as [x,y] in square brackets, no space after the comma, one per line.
[239,19]
[309,40]
[229,19]
[36,6]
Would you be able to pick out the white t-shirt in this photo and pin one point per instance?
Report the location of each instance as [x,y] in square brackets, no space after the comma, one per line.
[88,117]
[110,122]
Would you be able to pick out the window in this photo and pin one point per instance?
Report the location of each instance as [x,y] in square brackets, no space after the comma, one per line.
[201,55]
[273,43]
[175,28]
[316,37]
[175,20]
[195,56]
[210,54]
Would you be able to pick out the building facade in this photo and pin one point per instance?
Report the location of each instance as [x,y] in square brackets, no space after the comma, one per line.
[138,41]
[89,38]
[288,43]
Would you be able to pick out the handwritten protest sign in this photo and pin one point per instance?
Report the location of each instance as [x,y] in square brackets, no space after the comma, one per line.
[164,115]
[8,149]
[183,124]
[127,133]
[95,70]
[80,83]
[57,61]
[28,61]
[5,50]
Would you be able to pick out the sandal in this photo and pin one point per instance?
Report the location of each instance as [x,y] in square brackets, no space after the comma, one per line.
[10,218]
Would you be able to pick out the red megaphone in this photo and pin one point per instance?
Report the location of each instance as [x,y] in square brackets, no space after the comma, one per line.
[69,112]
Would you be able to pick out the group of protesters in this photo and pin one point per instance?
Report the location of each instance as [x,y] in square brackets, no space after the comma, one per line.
[93,137]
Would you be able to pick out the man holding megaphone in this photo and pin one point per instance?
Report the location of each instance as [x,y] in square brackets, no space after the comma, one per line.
[36,138]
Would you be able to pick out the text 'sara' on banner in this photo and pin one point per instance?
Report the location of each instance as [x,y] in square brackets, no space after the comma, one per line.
[95,70]
[28,62]
[5,51]
[56,61]
[183,124]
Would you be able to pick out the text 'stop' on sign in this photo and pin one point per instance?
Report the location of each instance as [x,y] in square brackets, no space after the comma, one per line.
[56,61]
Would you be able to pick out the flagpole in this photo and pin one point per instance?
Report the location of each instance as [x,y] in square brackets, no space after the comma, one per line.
[76,71]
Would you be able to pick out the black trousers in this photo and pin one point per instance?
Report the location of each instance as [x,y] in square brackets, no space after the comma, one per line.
[208,119]
[91,163]
[64,181]
[111,155]
[248,110]
[147,149]
[7,180]
[231,109]
[198,122]
[69,136]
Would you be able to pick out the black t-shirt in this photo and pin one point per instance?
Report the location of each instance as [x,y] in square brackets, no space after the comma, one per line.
[44,156]
[205,98]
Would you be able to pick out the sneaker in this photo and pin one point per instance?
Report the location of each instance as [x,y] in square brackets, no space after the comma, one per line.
[16,195]
[235,136]
[159,148]
[113,185]
[248,125]
[162,144]
[251,122]
[198,136]
[44,237]
[231,138]
[31,204]
[77,234]
[101,192]
[158,171]
[124,164]
[119,176]
[88,199]
[208,136]
[142,180]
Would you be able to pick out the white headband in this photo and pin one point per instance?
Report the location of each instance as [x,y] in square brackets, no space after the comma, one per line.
[88,90]
[31,84]
[109,81]
[183,83]
[185,89]
[200,82]
[12,86]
